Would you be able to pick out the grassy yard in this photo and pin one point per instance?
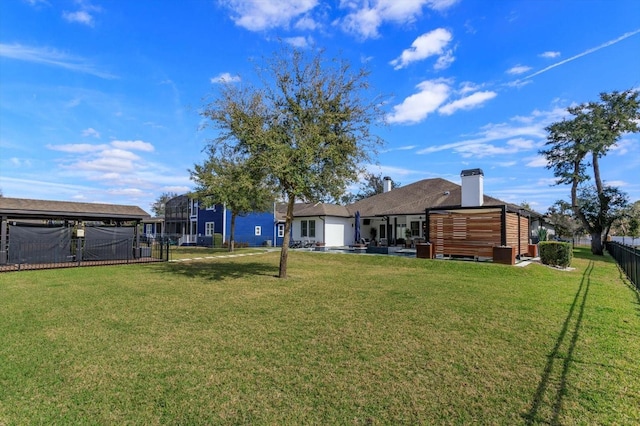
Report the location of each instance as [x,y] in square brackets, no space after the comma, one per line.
[346,339]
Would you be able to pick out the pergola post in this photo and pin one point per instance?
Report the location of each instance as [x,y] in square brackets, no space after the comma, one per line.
[3,240]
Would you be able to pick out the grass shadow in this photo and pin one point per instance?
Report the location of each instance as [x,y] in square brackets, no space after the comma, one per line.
[217,271]
[579,303]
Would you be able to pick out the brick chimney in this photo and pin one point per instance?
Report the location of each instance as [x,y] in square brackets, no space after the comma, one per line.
[472,187]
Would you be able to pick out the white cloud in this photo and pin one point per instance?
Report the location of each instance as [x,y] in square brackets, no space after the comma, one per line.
[480,150]
[549,55]
[260,15]
[176,189]
[616,183]
[136,145]
[467,86]
[81,17]
[77,148]
[539,161]
[225,77]
[126,191]
[91,132]
[445,60]
[522,133]
[468,102]
[429,44]
[623,147]
[301,42]
[306,23]
[51,57]
[415,108]
[366,16]
[518,69]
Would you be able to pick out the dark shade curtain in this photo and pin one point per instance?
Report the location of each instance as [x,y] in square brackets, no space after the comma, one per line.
[108,243]
[32,244]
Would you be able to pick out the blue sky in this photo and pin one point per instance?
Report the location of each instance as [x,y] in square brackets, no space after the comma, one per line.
[99,99]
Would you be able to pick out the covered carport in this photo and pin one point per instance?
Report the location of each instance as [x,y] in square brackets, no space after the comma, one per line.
[57,231]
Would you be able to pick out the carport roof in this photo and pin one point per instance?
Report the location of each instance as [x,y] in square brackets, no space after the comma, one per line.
[22,208]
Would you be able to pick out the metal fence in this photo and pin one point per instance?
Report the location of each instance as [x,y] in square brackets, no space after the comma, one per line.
[28,255]
[629,260]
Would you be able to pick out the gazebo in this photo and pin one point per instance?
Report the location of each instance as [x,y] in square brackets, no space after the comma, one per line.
[41,231]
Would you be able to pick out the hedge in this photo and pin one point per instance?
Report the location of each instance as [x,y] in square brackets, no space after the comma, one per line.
[555,253]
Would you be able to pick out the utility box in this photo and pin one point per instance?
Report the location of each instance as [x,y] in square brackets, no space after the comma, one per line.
[504,254]
[424,251]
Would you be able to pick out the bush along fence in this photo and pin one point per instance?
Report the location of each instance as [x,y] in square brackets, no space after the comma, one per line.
[74,252]
[629,260]
[556,253]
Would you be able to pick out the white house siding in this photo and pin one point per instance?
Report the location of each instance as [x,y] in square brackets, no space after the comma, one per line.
[296,232]
[339,231]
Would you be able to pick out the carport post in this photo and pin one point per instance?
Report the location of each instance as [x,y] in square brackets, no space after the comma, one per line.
[3,241]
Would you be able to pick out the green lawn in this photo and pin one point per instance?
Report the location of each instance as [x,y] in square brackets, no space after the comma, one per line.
[347,339]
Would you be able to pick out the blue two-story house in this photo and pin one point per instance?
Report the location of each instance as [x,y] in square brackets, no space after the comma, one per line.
[188,223]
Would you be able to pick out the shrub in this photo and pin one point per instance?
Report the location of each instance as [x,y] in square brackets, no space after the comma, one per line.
[217,240]
[555,253]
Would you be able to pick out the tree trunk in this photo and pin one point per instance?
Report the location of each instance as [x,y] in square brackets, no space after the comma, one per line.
[232,233]
[596,244]
[596,173]
[284,254]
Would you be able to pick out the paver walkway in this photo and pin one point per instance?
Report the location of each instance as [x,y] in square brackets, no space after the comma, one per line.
[223,256]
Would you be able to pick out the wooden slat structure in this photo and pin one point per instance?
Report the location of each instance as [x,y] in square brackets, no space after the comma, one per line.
[474,232]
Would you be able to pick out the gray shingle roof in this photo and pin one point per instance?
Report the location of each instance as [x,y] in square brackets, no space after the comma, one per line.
[313,209]
[16,208]
[415,198]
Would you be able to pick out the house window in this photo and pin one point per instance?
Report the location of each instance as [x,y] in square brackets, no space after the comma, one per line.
[415,229]
[308,228]
[258,231]
[148,228]
[209,229]
[280,230]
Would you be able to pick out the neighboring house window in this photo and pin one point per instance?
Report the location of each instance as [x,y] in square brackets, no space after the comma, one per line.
[212,208]
[308,228]
[209,228]
[280,230]
[415,229]
[193,207]
[149,228]
[258,231]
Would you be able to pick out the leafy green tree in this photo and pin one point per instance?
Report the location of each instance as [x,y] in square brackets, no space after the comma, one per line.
[225,178]
[576,143]
[602,209]
[372,185]
[158,206]
[560,214]
[307,128]
[627,224]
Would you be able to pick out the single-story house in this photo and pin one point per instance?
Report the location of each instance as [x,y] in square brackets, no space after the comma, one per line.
[458,220]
